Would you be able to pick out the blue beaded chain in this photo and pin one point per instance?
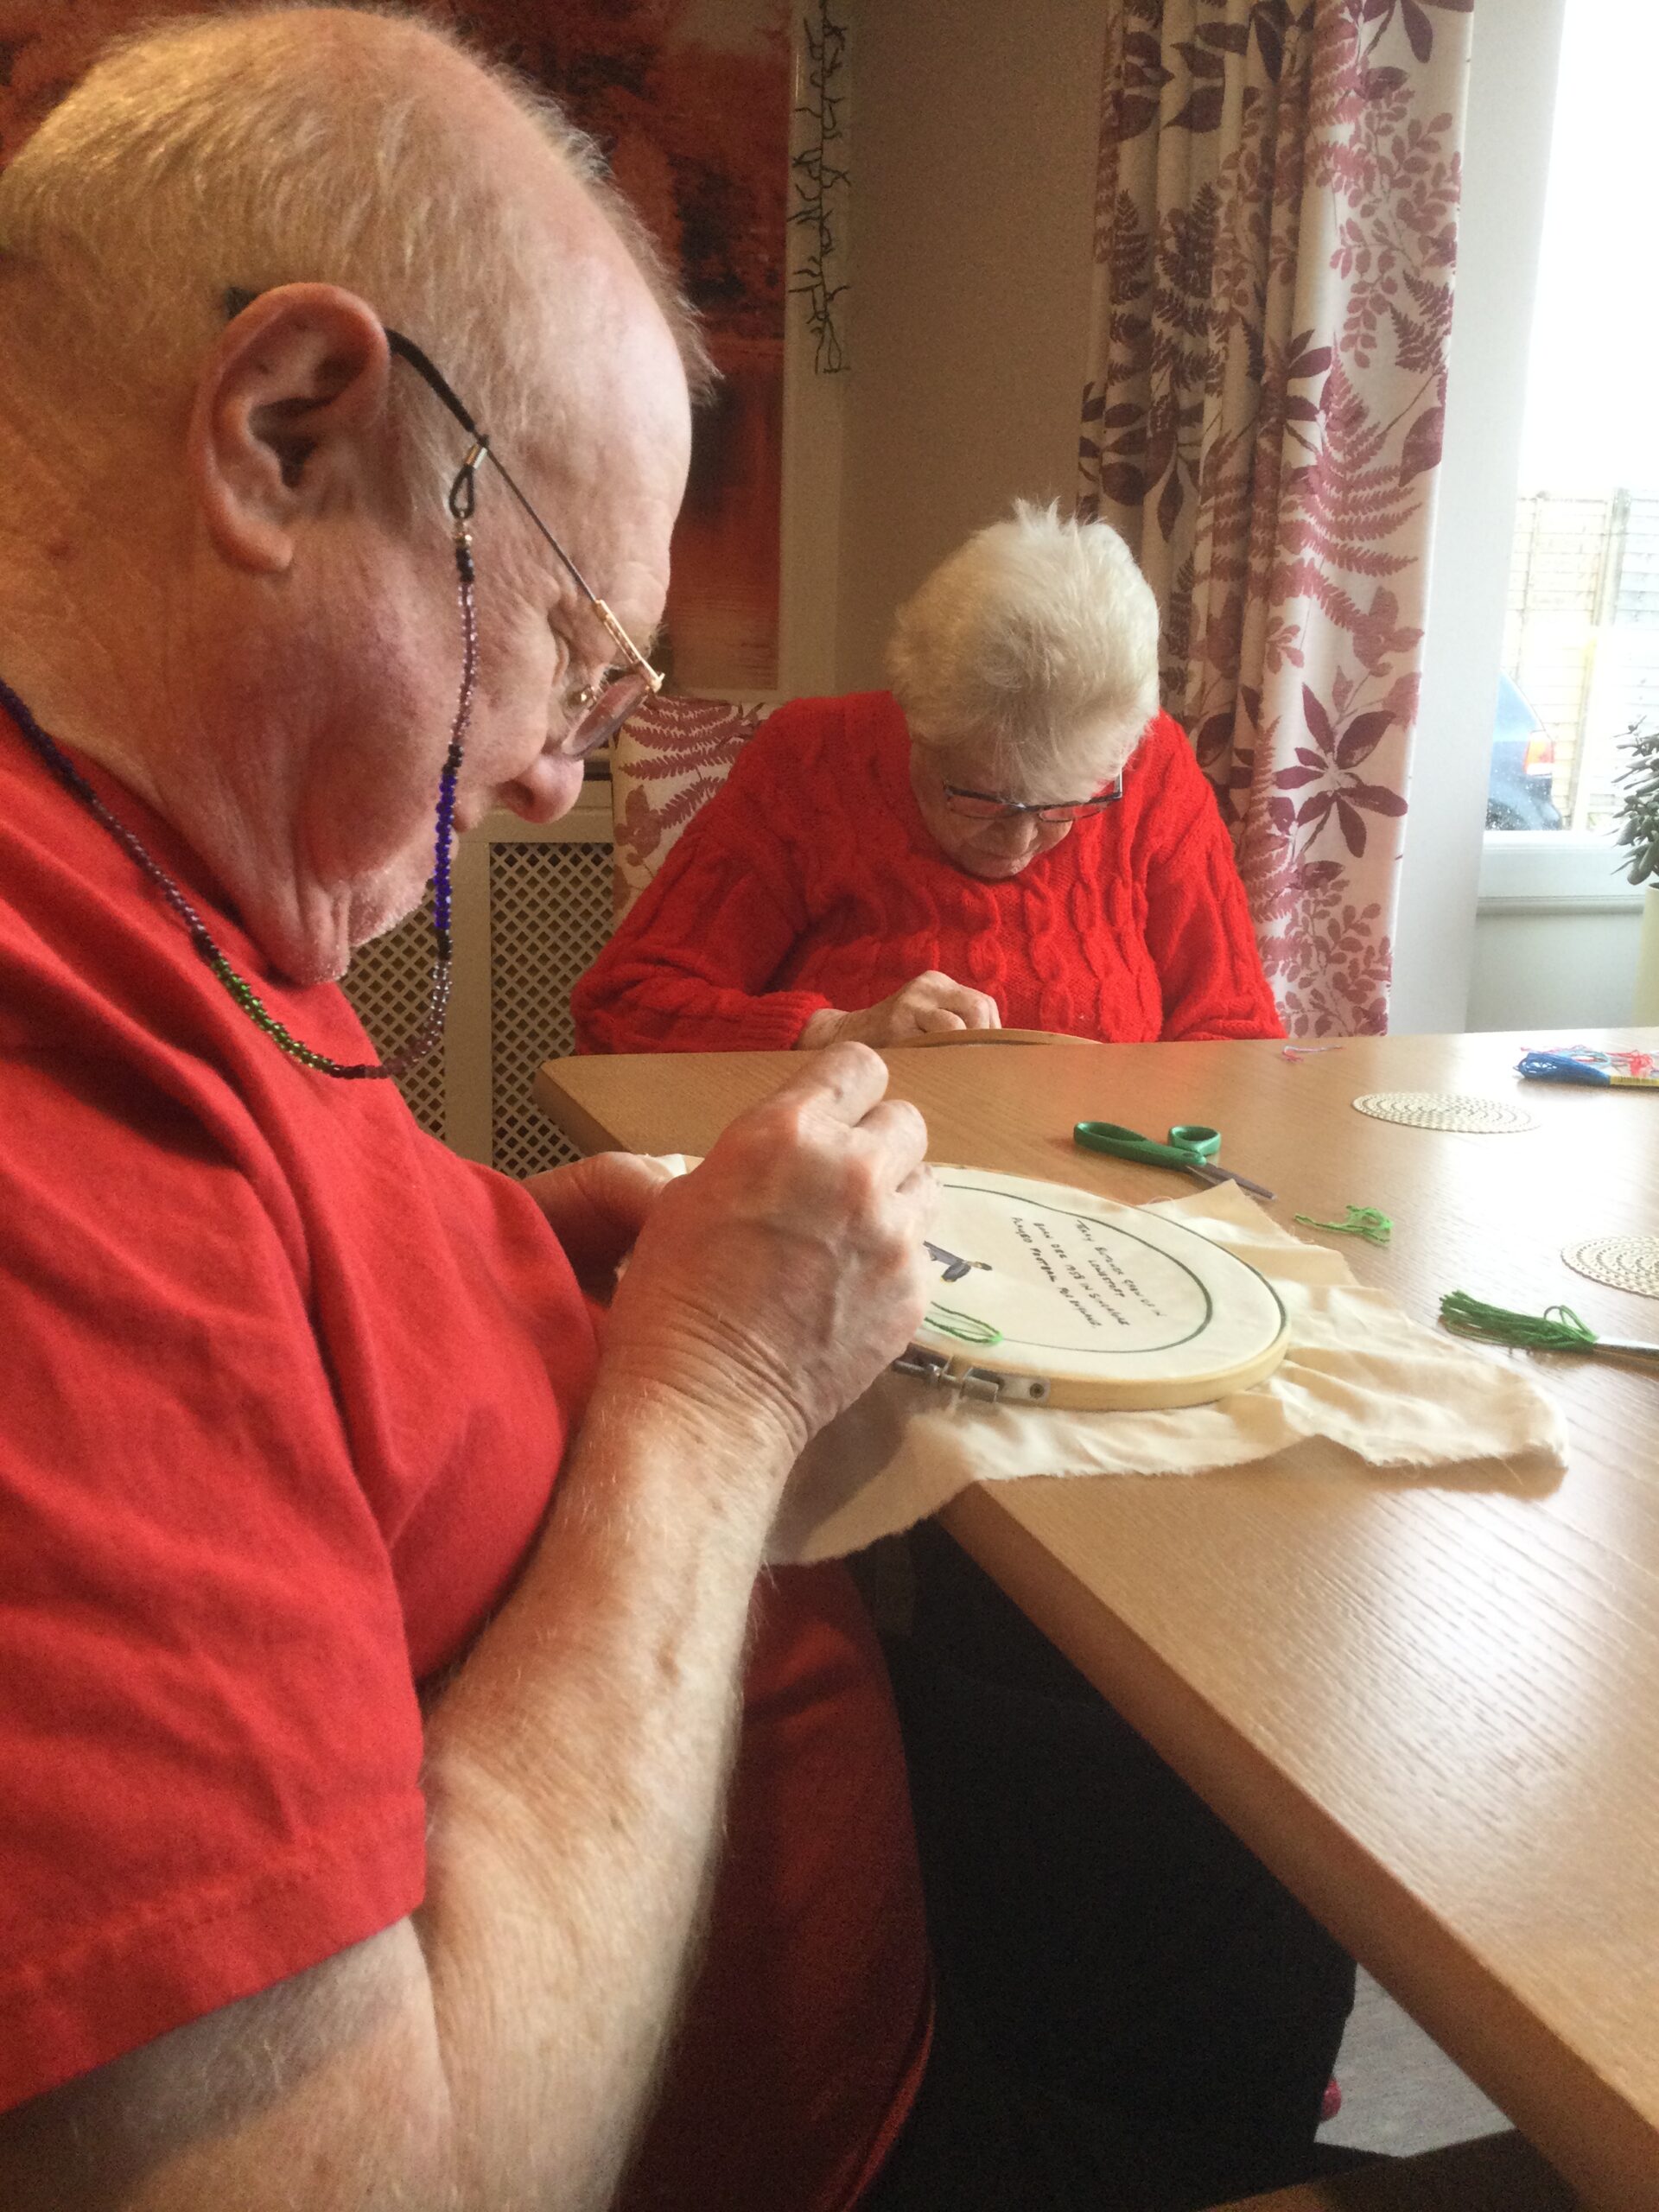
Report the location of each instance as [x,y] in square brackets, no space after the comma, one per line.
[431,1029]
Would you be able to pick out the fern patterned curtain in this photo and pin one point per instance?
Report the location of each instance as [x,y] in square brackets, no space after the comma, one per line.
[1275,236]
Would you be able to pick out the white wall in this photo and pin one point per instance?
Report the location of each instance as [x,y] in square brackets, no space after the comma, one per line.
[974,126]
[1557,937]
[1549,970]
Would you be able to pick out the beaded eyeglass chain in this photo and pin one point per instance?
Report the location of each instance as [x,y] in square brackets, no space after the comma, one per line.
[463,499]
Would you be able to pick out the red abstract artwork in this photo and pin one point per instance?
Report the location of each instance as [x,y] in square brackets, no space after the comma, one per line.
[690,101]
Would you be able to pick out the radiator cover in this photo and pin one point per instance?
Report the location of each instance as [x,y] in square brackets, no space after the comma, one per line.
[532,908]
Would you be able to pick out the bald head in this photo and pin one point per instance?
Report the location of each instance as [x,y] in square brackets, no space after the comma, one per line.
[333,145]
[223,567]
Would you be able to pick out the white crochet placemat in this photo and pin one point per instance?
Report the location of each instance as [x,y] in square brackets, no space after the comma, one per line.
[1622,1263]
[1446,1110]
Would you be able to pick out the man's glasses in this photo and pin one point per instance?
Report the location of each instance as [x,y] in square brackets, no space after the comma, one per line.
[986,806]
[602,706]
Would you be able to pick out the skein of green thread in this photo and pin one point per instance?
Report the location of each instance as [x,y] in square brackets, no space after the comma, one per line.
[1557,1329]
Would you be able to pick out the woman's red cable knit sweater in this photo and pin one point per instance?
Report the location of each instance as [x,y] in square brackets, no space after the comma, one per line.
[810,880]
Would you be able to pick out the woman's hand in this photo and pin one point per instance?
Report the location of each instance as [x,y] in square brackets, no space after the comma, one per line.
[926,1003]
[771,1286]
[597,1207]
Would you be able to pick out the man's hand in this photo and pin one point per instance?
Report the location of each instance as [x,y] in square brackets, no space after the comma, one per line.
[770,1286]
[926,1003]
[597,1207]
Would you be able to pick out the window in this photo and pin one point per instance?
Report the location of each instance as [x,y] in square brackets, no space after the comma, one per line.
[1580,652]
[1581,634]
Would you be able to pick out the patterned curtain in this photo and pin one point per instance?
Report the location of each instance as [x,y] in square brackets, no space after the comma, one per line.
[1275,235]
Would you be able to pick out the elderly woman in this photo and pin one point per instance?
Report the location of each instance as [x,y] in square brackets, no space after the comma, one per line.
[1013,836]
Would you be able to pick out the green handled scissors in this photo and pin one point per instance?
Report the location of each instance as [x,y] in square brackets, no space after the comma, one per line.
[1192,1148]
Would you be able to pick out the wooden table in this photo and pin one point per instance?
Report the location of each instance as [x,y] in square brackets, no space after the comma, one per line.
[1432,1705]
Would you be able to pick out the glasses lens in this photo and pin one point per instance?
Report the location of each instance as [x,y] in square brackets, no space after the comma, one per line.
[608,712]
[1075,810]
[978,806]
[985,806]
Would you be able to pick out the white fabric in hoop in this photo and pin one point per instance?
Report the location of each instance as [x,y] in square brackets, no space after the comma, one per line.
[1080,1301]
[1389,1391]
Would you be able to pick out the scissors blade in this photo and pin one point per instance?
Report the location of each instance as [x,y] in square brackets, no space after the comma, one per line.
[1207,1173]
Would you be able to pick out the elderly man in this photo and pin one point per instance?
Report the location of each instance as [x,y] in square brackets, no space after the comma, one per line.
[373,1635]
[288,1386]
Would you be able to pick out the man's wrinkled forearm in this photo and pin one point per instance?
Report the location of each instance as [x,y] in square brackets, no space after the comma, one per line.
[576,1771]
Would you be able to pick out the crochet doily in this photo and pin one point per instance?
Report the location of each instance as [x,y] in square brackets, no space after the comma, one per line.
[1622,1263]
[1444,1109]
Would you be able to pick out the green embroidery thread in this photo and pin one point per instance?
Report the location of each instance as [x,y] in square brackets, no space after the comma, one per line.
[1558,1329]
[1362,1221]
[948,1322]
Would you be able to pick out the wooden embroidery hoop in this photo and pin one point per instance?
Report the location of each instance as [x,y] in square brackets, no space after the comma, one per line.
[982,1037]
[1097,1306]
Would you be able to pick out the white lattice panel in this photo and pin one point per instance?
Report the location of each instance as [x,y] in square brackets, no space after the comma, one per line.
[389,983]
[550,915]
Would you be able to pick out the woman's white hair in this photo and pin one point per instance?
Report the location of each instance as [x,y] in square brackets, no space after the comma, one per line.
[295,143]
[1038,639]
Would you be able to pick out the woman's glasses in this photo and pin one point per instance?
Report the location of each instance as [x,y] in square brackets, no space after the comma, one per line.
[987,806]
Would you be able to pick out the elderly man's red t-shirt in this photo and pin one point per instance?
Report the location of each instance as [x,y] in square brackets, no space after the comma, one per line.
[287,1389]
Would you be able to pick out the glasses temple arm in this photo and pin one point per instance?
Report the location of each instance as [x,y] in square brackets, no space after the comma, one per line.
[427,371]
[505,475]
[619,635]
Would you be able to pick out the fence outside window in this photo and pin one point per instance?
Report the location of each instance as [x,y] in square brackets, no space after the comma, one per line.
[1581,638]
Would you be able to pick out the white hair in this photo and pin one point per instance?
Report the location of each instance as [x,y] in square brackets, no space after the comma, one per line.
[285,145]
[1037,639]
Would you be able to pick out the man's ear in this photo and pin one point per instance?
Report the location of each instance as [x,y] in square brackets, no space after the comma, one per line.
[283,405]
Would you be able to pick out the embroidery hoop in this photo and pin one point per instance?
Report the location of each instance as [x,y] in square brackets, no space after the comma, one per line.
[983,1037]
[1100,1307]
